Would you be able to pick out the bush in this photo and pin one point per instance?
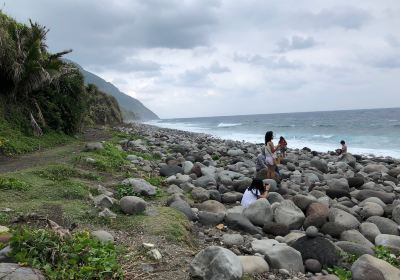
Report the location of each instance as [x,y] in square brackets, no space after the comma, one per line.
[13,184]
[77,257]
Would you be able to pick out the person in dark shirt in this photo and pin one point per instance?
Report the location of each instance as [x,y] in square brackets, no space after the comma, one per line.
[283,146]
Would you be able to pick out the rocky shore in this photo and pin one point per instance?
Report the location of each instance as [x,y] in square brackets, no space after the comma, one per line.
[327,216]
[324,210]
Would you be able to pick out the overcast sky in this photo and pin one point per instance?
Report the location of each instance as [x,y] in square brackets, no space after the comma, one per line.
[229,57]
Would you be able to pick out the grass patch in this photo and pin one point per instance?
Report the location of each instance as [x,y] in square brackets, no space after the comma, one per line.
[13,184]
[118,136]
[109,159]
[155,181]
[168,223]
[65,172]
[14,142]
[341,273]
[78,257]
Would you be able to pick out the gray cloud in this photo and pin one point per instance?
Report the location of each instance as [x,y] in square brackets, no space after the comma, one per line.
[165,52]
[295,43]
[200,77]
[272,62]
[90,26]
[387,61]
[342,16]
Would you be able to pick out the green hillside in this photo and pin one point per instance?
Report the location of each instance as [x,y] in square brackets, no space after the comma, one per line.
[131,107]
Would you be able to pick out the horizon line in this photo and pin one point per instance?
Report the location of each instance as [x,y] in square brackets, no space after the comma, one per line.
[281,113]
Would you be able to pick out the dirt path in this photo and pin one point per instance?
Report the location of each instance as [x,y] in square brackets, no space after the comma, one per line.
[60,154]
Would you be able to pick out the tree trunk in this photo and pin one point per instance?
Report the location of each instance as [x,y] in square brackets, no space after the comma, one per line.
[37,131]
[40,115]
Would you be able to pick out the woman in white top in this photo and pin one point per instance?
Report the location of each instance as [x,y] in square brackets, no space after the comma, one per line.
[256,190]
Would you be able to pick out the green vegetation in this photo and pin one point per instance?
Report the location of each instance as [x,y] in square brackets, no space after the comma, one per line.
[42,97]
[385,254]
[342,273]
[109,159]
[64,172]
[167,222]
[13,184]
[155,181]
[77,257]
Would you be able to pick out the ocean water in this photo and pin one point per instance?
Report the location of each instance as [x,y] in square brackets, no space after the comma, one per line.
[369,132]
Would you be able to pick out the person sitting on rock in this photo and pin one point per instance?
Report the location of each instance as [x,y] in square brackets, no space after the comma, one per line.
[261,163]
[343,151]
[256,190]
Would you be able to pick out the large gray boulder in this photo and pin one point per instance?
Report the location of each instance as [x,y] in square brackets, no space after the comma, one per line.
[368,267]
[184,207]
[343,219]
[12,271]
[210,218]
[354,248]
[170,169]
[319,164]
[212,206]
[338,188]
[356,237]
[234,239]
[371,209]
[289,214]
[317,248]
[200,194]
[384,196]
[396,214]
[140,186]
[132,205]
[370,168]
[279,255]
[259,212]
[385,225]
[370,231]
[238,221]
[390,241]
[216,263]
[205,181]
[254,264]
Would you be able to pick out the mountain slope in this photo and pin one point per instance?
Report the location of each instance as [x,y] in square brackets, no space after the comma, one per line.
[131,107]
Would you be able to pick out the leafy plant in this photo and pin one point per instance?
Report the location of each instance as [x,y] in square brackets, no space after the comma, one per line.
[155,181]
[385,254]
[342,273]
[65,172]
[77,257]
[108,159]
[124,190]
[13,184]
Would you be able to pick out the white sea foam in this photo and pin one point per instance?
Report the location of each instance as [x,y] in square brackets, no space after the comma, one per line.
[323,136]
[228,124]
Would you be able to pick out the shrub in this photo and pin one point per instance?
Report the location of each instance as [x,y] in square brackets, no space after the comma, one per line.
[77,257]
[13,184]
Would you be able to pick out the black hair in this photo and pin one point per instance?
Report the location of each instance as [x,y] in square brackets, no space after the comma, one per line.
[342,142]
[281,138]
[257,184]
[268,136]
